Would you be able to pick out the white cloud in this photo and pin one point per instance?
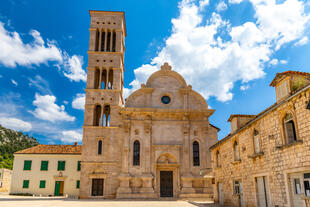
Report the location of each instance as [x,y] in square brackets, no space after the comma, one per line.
[244,87]
[15,52]
[71,136]
[221,6]
[73,68]
[16,124]
[14,82]
[41,84]
[203,4]
[79,101]
[46,109]
[235,1]
[281,22]
[274,62]
[283,61]
[302,41]
[212,64]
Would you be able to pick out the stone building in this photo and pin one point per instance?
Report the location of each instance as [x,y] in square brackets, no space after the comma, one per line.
[47,170]
[154,145]
[5,179]
[265,160]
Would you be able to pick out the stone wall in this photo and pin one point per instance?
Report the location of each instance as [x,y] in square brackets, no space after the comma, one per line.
[277,160]
[5,180]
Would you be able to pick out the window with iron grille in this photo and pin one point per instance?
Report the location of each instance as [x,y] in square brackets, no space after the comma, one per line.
[136,153]
[196,160]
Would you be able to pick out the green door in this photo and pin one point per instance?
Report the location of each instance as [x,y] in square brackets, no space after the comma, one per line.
[57,188]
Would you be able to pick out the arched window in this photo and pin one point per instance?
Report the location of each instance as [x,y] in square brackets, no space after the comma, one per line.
[136,153]
[289,126]
[102,40]
[106,114]
[236,151]
[218,159]
[97,78]
[114,42]
[97,115]
[99,147]
[196,160]
[110,84]
[104,79]
[109,41]
[256,141]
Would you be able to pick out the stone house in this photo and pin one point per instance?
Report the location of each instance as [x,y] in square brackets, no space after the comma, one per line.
[5,179]
[47,170]
[153,145]
[265,160]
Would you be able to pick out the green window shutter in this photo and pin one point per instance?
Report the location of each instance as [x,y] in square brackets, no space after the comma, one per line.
[44,165]
[61,165]
[79,166]
[77,184]
[26,184]
[27,164]
[42,183]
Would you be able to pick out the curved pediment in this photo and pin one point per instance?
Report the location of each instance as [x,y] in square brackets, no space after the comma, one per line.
[166,89]
[166,78]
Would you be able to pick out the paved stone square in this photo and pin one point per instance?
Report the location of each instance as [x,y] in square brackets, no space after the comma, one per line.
[21,201]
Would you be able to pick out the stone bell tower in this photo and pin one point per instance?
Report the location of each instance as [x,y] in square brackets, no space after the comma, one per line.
[104,97]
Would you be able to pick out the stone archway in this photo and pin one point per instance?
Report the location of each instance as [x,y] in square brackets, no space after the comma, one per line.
[167,176]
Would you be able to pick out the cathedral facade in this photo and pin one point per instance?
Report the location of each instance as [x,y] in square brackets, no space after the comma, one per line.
[156,143]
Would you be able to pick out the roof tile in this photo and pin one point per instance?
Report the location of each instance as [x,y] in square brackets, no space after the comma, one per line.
[52,149]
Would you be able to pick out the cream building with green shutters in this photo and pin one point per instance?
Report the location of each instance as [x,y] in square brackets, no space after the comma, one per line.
[47,170]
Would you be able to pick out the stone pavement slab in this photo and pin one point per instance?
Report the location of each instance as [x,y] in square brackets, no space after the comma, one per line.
[24,201]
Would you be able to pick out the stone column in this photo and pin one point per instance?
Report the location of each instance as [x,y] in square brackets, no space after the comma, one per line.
[124,189]
[100,40]
[92,39]
[119,43]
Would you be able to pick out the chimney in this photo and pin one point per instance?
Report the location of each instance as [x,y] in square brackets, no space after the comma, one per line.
[75,143]
[239,120]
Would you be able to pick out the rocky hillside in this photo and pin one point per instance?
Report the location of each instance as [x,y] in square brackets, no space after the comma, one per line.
[10,142]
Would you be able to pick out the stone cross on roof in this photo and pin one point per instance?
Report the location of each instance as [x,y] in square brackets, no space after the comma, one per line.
[165,66]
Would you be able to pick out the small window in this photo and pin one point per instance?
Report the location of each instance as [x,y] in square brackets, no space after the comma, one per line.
[42,183]
[44,165]
[236,187]
[307,184]
[79,166]
[61,165]
[26,184]
[290,131]
[218,159]
[136,153]
[297,186]
[236,151]
[256,142]
[196,160]
[99,147]
[27,164]
[77,184]
[308,105]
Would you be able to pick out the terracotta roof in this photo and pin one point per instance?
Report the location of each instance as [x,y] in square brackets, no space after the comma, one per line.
[240,115]
[52,149]
[279,75]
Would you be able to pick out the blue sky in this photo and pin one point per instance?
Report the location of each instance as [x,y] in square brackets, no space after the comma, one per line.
[228,50]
